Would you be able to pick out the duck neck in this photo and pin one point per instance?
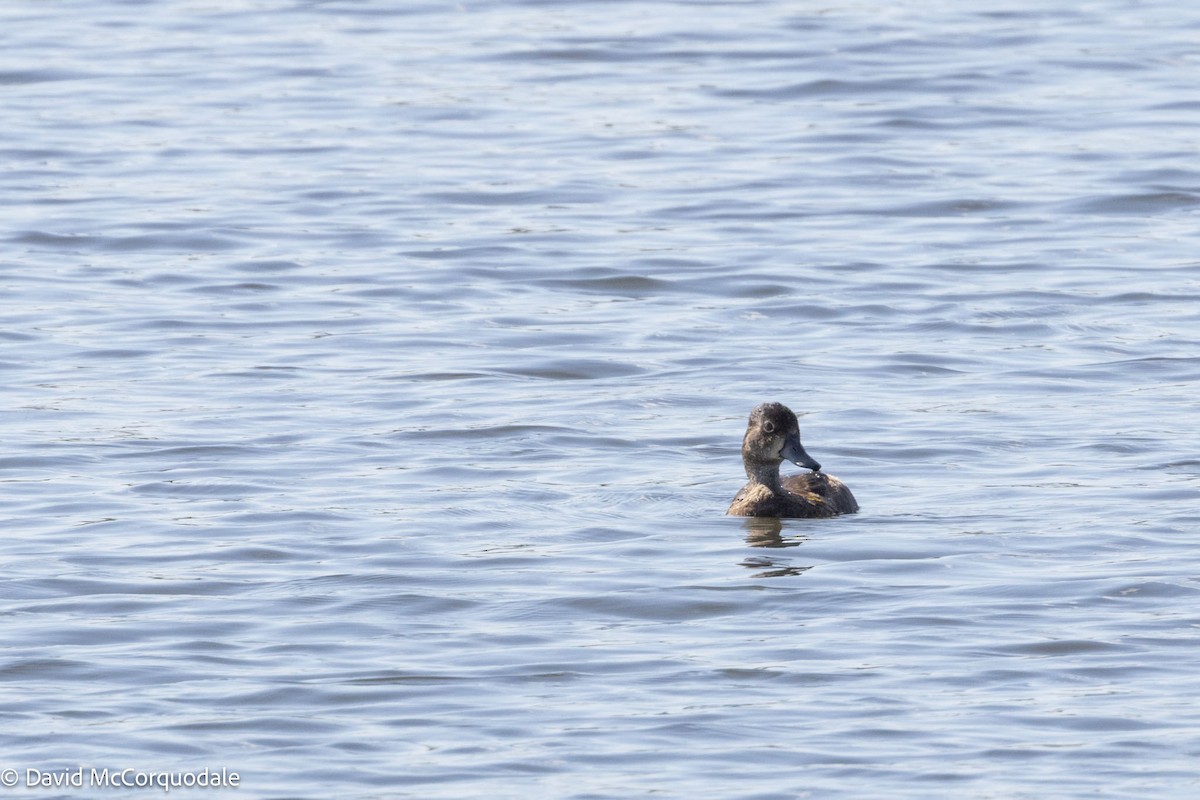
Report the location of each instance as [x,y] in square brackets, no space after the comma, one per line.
[764,472]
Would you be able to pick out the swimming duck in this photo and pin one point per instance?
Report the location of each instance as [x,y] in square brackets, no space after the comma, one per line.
[773,435]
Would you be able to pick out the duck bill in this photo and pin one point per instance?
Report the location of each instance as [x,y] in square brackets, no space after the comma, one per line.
[794,451]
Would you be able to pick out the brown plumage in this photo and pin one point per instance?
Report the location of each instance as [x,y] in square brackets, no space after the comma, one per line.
[773,435]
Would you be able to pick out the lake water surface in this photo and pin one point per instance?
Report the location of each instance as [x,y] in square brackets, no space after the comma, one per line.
[374,377]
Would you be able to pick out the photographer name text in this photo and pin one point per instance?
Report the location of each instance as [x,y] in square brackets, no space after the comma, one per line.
[130,778]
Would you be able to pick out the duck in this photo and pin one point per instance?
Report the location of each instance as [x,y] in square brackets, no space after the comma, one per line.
[772,435]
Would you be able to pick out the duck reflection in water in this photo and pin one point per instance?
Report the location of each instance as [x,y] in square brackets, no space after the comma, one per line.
[768,532]
[772,435]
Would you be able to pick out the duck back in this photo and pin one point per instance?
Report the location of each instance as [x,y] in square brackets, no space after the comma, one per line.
[822,491]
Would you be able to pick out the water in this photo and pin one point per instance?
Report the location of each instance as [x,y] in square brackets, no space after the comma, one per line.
[376,373]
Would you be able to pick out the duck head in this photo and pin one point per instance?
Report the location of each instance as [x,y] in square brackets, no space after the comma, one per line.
[773,435]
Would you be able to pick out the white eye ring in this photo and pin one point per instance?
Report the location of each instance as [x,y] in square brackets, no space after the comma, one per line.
[769,426]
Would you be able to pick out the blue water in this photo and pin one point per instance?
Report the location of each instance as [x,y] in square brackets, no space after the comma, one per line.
[376,372]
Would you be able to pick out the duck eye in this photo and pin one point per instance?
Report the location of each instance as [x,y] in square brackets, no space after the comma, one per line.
[769,426]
